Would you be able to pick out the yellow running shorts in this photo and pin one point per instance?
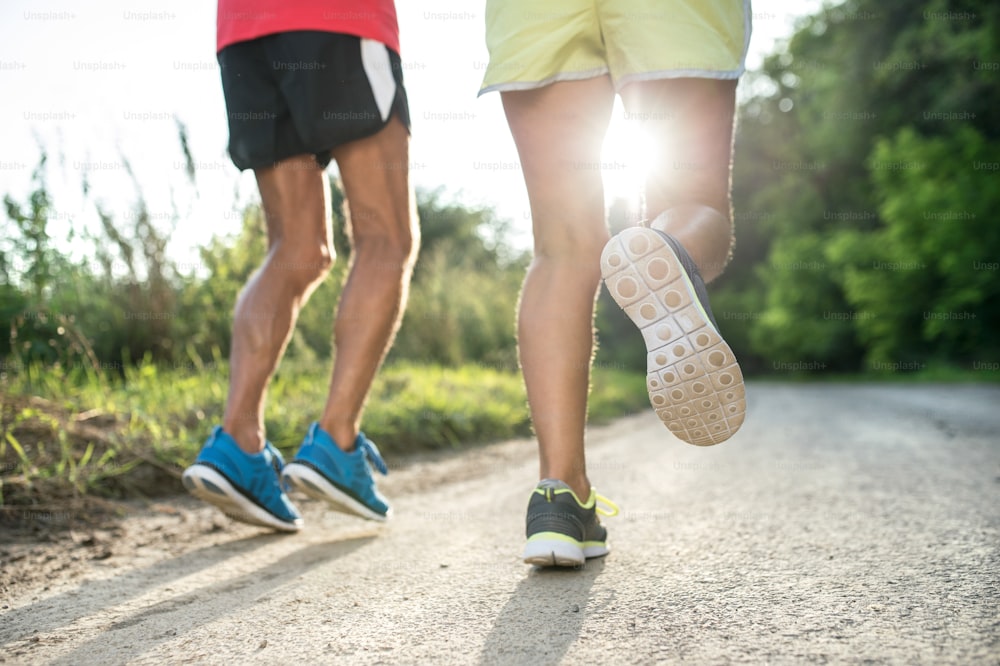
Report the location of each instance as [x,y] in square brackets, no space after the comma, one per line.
[533,43]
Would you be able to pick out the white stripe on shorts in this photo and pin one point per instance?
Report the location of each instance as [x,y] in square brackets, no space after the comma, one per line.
[375,59]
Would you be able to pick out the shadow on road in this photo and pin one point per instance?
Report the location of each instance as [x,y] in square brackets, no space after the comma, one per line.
[543,616]
[185,612]
[92,596]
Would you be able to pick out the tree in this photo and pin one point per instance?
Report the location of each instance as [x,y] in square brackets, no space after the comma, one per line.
[822,184]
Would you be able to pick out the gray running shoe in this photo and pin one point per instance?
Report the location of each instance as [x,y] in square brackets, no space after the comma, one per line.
[561,531]
[695,384]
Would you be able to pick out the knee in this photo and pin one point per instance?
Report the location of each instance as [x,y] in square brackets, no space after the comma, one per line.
[391,245]
[302,264]
[581,247]
[577,265]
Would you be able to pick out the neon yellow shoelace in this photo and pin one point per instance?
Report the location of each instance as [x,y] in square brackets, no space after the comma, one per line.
[600,502]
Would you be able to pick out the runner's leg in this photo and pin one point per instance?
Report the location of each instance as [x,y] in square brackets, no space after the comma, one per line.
[559,130]
[384,241]
[293,195]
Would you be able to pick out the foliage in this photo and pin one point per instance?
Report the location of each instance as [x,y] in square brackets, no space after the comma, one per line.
[939,250]
[859,204]
[131,301]
[32,293]
[100,433]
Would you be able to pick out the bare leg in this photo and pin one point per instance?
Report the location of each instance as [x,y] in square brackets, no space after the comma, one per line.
[385,236]
[687,191]
[293,194]
[558,130]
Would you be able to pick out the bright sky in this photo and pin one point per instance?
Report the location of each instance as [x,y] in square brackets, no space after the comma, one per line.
[92,82]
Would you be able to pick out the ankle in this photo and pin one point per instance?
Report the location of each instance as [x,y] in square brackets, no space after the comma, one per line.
[343,436]
[579,485]
[250,440]
[581,490]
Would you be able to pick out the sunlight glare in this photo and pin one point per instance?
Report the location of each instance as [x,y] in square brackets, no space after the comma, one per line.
[625,160]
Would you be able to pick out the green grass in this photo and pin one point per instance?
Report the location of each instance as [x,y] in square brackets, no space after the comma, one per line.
[70,433]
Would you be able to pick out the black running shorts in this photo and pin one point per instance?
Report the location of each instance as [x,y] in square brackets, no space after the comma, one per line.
[301,92]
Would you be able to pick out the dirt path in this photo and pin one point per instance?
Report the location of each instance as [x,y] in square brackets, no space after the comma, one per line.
[845,524]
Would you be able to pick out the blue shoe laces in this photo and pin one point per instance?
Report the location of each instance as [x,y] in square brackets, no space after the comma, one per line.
[372,453]
[277,460]
[367,447]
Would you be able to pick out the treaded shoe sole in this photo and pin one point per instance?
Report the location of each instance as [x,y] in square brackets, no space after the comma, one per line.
[315,485]
[695,384]
[556,550]
[210,486]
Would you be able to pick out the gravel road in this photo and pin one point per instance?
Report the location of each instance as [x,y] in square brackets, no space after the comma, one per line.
[844,524]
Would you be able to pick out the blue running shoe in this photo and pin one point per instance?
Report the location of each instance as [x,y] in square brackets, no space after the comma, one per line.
[246,487]
[343,479]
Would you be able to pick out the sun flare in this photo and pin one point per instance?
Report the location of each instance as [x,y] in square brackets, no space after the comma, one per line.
[625,160]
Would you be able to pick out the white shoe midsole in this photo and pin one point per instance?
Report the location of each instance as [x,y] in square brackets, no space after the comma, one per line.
[232,502]
[315,485]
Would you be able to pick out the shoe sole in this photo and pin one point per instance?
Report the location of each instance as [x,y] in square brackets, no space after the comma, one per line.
[210,486]
[315,485]
[558,553]
[695,384]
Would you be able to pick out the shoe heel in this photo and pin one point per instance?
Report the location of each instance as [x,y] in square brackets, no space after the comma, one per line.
[553,553]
